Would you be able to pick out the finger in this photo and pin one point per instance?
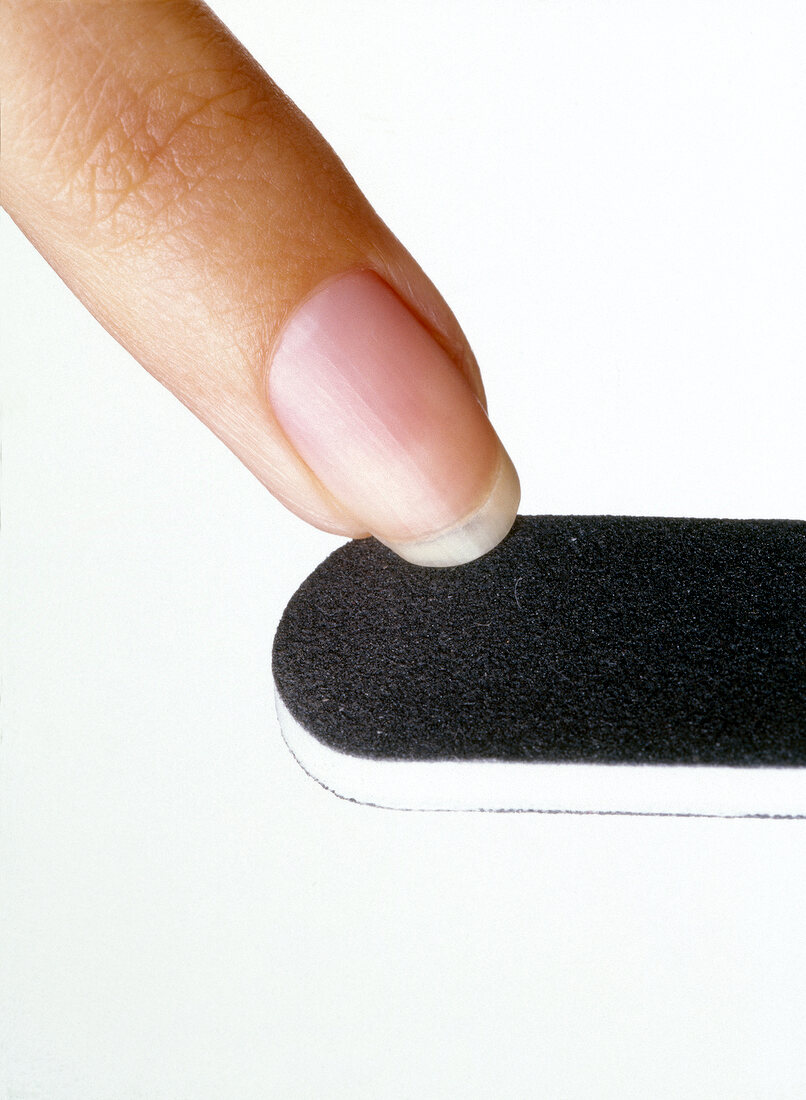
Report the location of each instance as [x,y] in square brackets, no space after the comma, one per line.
[213,232]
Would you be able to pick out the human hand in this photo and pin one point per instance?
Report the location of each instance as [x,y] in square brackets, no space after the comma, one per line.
[210,228]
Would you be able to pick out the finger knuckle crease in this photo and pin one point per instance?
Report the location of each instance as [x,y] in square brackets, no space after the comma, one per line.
[143,169]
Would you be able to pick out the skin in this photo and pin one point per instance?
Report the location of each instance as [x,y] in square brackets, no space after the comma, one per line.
[191,207]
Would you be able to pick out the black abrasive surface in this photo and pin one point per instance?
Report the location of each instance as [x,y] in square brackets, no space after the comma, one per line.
[586,639]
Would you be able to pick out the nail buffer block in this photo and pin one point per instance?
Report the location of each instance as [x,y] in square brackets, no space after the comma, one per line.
[588,664]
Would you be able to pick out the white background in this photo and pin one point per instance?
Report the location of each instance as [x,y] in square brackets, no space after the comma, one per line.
[612,197]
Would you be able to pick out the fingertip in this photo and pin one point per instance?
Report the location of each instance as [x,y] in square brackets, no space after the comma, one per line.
[474,535]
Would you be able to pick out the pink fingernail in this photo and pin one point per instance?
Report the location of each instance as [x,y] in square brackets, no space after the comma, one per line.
[389,425]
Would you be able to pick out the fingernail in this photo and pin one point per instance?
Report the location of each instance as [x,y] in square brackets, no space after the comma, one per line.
[387,422]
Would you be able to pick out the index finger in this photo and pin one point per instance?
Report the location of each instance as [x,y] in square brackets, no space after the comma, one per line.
[209,227]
